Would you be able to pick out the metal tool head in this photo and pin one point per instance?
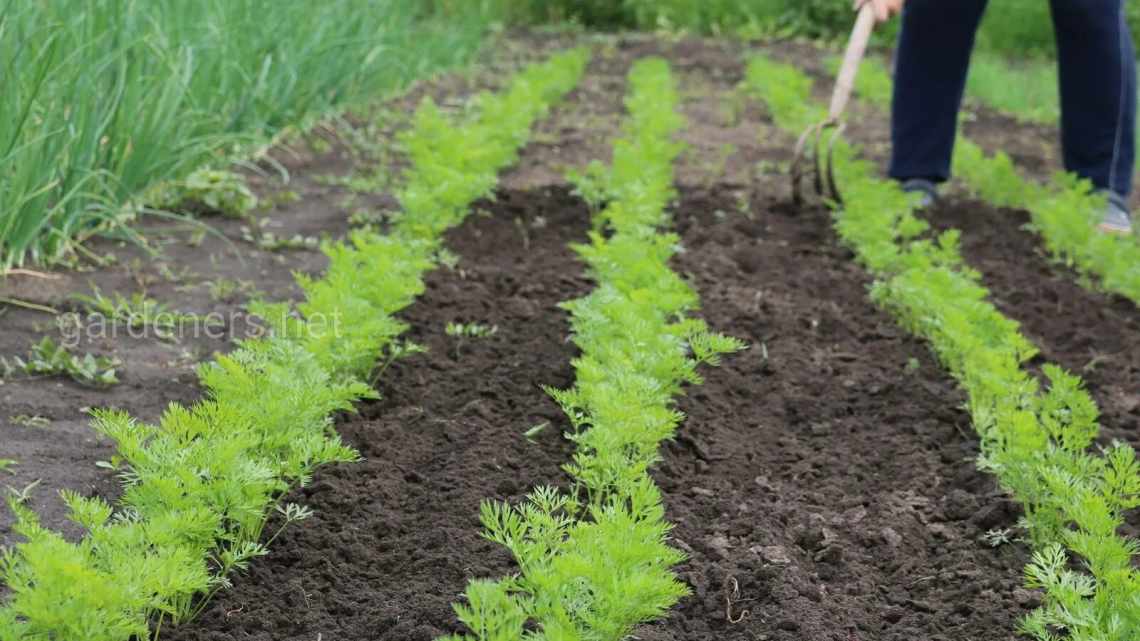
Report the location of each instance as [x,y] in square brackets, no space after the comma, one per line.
[809,152]
[811,141]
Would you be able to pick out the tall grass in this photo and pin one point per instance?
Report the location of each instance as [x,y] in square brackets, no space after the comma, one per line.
[102,98]
[1026,88]
[1025,26]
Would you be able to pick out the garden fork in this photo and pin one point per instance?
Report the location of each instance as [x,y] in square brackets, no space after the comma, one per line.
[825,185]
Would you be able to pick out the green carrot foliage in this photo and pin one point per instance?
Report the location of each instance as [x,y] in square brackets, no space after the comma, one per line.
[107,103]
[1038,442]
[199,485]
[594,562]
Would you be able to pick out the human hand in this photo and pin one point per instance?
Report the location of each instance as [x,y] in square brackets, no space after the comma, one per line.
[884,9]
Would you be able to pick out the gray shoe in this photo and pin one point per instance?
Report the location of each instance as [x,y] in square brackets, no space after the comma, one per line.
[925,188]
[1117,219]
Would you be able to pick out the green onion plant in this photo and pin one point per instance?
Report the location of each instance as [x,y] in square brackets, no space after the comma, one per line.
[105,99]
[199,485]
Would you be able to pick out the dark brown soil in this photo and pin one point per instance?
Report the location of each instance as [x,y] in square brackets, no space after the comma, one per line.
[449,432]
[1094,335]
[44,423]
[396,537]
[823,484]
[827,471]
[828,480]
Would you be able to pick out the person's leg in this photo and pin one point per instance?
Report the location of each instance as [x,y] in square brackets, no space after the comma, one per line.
[1098,91]
[932,60]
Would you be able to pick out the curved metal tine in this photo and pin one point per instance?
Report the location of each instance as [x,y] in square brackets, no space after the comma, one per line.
[798,160]
[832,183]
[817,157]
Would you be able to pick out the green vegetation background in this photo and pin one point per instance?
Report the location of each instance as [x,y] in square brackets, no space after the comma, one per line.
[1017,27]
[1013,71]
[103,99]
[106,99]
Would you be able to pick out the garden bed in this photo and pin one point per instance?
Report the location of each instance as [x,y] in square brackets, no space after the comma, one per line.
[823,483]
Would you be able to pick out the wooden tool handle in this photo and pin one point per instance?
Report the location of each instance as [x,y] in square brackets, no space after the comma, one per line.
[856,48]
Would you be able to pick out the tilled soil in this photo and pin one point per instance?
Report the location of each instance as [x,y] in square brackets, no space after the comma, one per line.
[1094,335]
[826,470]
[822,485]
[395,538]
[207,267]
[826,473]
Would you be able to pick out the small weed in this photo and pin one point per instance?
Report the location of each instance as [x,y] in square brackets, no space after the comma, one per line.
[744,205]
[223,289]
[535,430]
[69,323]
[139,273]
[716,168]
[328,180]
[172,276]
[196,237]
[447,258]
[377,181]
[462,332]
[137,311]
[365,218]
[186,359]
[393,352]
[374,174]
[24,420]
[6,465]
[286,197]
[1095,363]
[549,138]
[320,145]
[520,224]
[268,241]
[733,107]
[47,358]
[771,168]
[206,191]
[347,202]
[112,465]
[471,330]
[998,537]
[386,117]
[22,496]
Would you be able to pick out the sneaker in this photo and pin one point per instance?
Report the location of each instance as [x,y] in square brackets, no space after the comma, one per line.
[1117,219]
[927,189]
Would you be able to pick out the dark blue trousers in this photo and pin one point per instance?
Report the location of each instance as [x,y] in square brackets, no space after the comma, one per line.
[1098,88]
